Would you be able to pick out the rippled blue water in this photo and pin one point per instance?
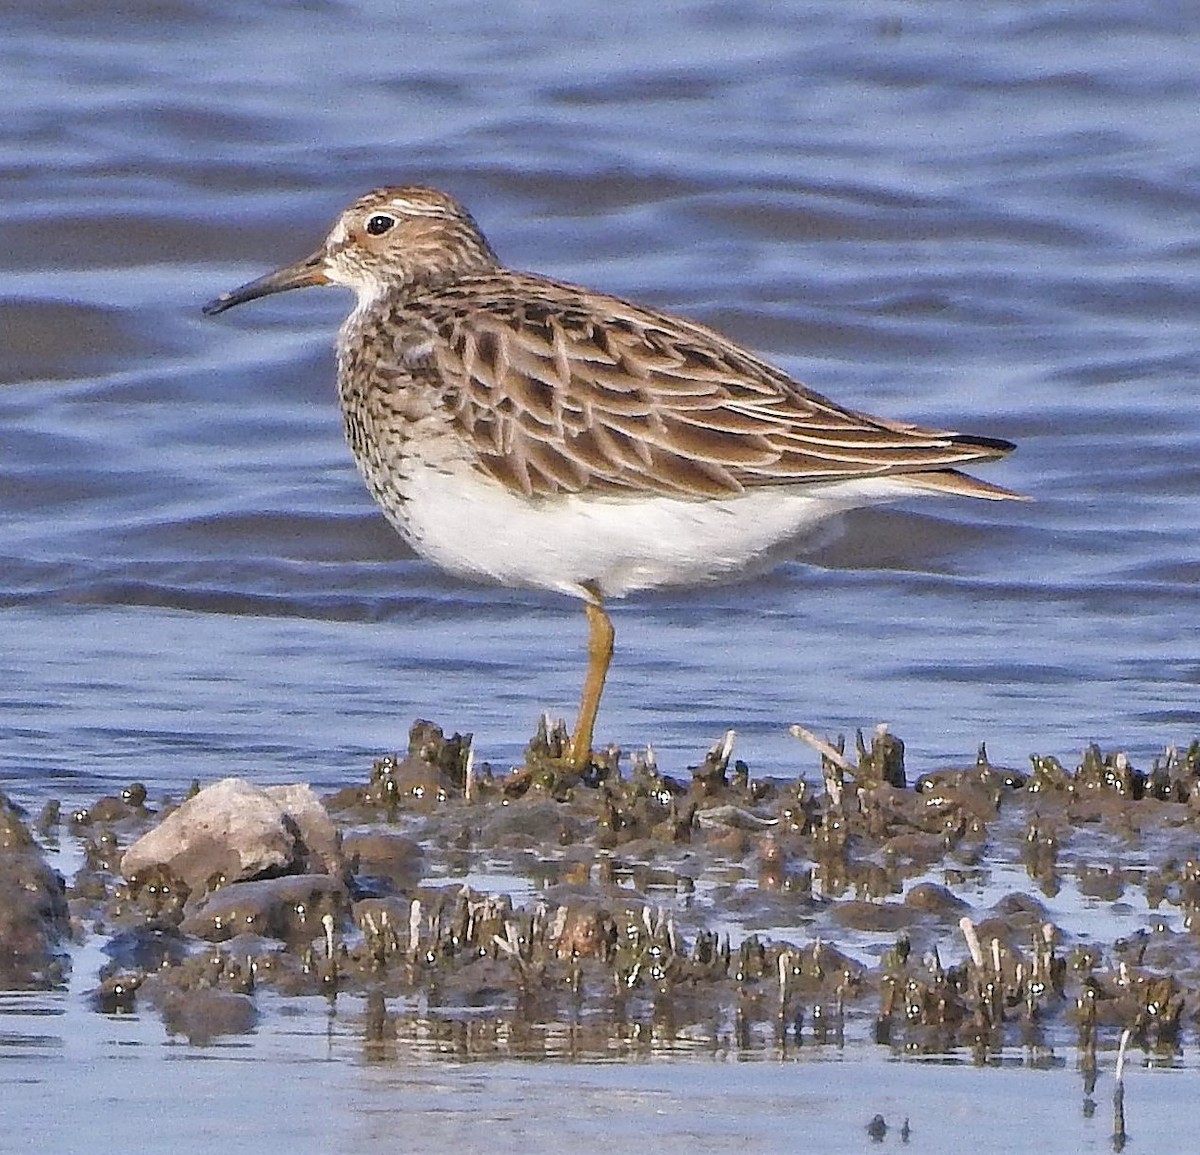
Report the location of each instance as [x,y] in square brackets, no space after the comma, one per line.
[977,215]
[983,219]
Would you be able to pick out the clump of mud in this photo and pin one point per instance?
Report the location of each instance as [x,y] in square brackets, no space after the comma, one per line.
[33,908]
[642,911]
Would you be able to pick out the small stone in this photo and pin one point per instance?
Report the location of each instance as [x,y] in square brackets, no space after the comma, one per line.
[232,830]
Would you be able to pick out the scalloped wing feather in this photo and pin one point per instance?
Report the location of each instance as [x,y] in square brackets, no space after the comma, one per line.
[565,391]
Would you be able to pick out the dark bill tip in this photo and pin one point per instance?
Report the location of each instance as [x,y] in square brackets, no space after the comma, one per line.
[218,305]
[309,271]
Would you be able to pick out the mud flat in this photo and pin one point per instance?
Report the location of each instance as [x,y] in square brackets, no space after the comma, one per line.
[625,912]
[442,917]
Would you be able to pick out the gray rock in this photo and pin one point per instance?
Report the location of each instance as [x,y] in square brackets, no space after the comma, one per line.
[320,837]
[232,830]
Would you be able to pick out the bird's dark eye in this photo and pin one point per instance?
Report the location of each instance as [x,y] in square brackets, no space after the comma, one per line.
[379,224]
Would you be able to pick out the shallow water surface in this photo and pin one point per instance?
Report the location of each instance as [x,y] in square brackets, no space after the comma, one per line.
[309,1083]
[977,216]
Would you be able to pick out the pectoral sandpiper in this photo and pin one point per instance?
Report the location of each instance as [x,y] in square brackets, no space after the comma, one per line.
[538,434]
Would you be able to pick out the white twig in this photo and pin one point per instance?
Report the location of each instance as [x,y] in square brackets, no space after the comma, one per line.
[1125,1036]
[824,749]
[414,928]
[968,929]
[469,784]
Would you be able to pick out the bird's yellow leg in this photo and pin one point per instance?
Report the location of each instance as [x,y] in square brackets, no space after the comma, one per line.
[600,650]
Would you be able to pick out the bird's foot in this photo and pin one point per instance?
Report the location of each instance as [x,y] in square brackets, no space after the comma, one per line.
[555,762]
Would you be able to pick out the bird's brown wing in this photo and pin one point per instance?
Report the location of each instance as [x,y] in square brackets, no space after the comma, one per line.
[560,390]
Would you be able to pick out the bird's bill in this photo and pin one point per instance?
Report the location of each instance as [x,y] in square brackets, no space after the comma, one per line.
[309,271]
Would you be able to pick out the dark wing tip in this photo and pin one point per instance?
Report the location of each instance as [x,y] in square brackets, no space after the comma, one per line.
[988,447]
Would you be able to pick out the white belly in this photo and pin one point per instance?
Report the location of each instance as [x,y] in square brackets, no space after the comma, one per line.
[473,527]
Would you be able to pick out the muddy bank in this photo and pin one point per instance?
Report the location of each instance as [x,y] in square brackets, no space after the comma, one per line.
[33,908]
[715,910]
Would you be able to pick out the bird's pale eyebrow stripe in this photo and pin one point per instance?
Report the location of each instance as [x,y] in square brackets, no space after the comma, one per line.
[419,208]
